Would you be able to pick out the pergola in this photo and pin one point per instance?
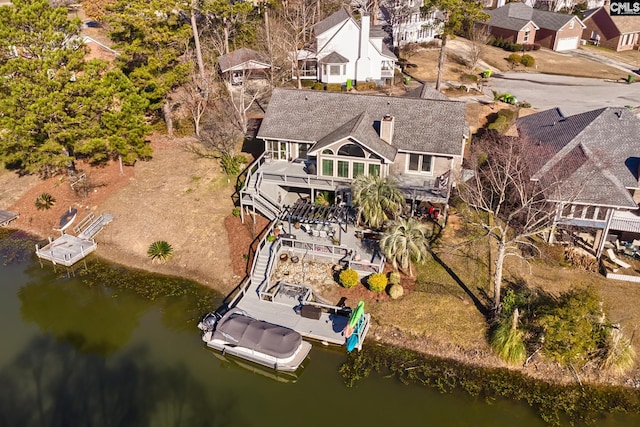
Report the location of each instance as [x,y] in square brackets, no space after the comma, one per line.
[304,211]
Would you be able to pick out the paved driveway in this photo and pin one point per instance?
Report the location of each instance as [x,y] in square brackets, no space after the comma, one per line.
[571,94]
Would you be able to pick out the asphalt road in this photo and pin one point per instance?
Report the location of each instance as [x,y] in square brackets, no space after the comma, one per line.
[571,94]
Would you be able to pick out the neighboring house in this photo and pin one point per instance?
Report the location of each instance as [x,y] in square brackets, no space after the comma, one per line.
[613,32]
[242,64]
[408,23]
[519,23]
[595,158]
[320,141]
[347,51]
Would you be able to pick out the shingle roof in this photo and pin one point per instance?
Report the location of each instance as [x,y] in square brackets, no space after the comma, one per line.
[334,58]
[331,21]
[597,152]
[550,20]
[510,17]
[240,56]
[625,24]
[514,16]
[361,129]
[420,125]
[425,92]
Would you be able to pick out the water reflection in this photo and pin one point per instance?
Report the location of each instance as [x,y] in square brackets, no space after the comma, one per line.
[49,383]
[103,320]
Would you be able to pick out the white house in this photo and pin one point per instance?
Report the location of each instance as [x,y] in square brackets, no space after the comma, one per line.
[408,23]
[346,50]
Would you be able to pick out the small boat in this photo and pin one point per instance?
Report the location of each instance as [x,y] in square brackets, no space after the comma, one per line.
[67,219]
[264,343]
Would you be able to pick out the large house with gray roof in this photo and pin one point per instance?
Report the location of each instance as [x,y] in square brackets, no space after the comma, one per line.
[595,158]
[518,23]
[320,141]
[346,50]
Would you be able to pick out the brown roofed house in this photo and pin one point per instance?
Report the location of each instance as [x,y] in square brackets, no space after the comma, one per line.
[614,32]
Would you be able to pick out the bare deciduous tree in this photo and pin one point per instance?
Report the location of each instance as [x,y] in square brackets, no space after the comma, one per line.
[479,37]
[502,200]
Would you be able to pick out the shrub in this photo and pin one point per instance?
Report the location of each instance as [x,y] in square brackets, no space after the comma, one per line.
[630,78]
[236,212]
[366,85]
[160,251]
[349,278]
[531,46]
[394,278]
[524,104]
[45,201]
[232,164]
[514,47]
[317,86]
[508,342]
[377,282]
[514,58]
[396,291]
[503,121]
[307,83]
[527,60]
[333,87]
[271,238]
[469,78]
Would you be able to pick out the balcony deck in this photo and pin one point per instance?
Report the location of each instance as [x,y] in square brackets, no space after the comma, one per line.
[294,174]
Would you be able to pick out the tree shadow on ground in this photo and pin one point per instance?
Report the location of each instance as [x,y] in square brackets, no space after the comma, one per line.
[49,383]
[482,308]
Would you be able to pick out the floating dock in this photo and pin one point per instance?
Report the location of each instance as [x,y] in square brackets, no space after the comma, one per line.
[66,250]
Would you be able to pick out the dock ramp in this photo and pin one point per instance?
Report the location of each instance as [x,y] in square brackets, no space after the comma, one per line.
[89,229]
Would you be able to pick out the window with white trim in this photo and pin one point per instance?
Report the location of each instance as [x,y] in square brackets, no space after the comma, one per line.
[421,163]
[526,36]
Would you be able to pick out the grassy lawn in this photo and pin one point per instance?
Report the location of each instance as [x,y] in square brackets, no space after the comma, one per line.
[547,61]
[443,307]
[631,57]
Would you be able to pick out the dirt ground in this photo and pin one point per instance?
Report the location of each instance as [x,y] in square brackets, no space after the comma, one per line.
[175,197]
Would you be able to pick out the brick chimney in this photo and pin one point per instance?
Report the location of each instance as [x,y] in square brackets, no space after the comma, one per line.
[386,128]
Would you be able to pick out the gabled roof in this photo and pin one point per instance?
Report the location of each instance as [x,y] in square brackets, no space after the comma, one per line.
[552,20]
[361,129]
[426,92]
[241,56]
[420,125]
[375,31]
[331,21]
[334,58]
[597,153]
[512,16]
[624,24]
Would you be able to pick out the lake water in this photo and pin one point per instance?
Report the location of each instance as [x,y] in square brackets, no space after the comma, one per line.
[76,351]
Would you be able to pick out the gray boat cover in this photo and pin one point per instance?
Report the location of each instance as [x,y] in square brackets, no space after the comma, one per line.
[244,331]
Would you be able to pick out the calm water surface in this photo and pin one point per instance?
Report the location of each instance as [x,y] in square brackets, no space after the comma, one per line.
[75,352]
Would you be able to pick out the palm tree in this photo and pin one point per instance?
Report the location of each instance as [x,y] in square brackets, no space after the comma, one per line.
[378,199]
[405,242]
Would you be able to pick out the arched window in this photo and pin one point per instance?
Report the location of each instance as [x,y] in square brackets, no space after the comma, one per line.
[327,151]
[351,150]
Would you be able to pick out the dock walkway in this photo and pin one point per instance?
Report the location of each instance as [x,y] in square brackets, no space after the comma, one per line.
[6,217]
